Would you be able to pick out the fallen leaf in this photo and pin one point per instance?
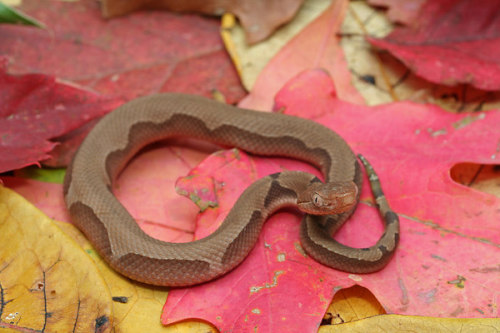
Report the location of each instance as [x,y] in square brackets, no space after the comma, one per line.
[404,12]
[380,78]
[12,16]
[407,287]
[259,18]
[131,56]
[314,47]
[133,303]
[452,42]
[36,109]
[50,175]
[402,290]
[152,174]
[47,282]
[355,309]
[187,56]
[47,197]
[353,304]
[449,238]
[485,178]
[251,59]
[62,154]
[395,323]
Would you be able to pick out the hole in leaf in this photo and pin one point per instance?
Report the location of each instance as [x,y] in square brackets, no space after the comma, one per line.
[481,177]
[349,303]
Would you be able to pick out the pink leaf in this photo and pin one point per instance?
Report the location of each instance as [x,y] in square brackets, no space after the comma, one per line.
[45,196]
[449,232]
[145,188]
[315,46]
[454,41]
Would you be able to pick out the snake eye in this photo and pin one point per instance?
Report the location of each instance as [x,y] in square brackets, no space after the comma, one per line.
[316,199]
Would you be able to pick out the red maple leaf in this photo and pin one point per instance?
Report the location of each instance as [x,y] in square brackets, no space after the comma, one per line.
[140,54]
[451,42]
[35,110]
[449,232]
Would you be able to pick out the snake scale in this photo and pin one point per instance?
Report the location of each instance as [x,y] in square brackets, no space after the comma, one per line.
[121,134]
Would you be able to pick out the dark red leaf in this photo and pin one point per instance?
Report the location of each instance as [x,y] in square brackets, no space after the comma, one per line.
[452,41]
[36,108]
[259,18]
[141,54]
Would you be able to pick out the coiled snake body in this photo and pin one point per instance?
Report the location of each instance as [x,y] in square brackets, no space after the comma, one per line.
[122,133]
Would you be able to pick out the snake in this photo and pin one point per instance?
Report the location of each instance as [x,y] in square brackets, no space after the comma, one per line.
[122,133]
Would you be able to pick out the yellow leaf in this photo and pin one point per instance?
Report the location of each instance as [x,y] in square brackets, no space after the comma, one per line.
[136,306]
[352,304]
[356,309]
[398,323]
[47,283]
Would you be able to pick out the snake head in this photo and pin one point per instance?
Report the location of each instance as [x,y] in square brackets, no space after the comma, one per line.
[329,198]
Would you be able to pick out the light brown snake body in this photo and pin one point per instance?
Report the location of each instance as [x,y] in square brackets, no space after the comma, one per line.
[122,133]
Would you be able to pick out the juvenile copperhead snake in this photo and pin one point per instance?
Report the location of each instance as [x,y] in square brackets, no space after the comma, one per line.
[123,132]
